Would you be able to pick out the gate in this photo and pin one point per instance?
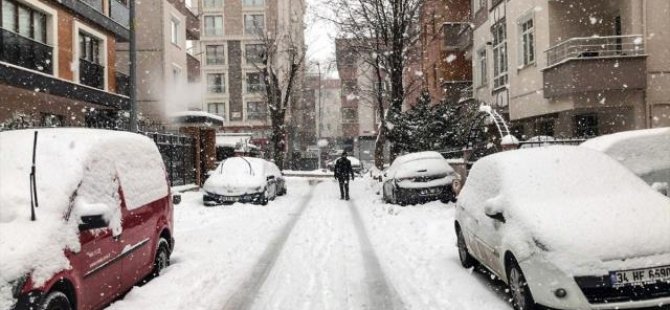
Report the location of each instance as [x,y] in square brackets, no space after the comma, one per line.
[178,154]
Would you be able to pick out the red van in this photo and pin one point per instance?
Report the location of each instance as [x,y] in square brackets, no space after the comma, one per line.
[84,216]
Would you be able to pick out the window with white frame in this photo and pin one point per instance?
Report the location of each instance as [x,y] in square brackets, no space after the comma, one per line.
[254,82]
[216,83]
[499,32]
[527,41]
[253,53]
[217,108]
[25,29]
[91,60]
[253,2]
[212,3]
[213,25]
[254,24]
[482,67]
[174,31]
[256,111]
[215,54]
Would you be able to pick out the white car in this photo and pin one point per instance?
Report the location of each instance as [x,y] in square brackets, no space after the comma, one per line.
[243,179]
[645,152]
[420,177]
[356,165]
[566,228]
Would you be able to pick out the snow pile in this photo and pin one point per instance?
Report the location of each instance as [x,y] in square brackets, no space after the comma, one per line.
[540,190]
[509,140]
[645,152]
[90,162]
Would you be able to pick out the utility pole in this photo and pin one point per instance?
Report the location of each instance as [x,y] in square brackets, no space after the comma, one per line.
[133,68]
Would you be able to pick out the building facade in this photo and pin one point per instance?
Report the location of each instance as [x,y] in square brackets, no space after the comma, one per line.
[445,44]
[234,40]
[58,63]
[573,68]
[167,72]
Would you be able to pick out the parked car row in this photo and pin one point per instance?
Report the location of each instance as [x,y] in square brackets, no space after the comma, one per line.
[573,227]
[95,219]
[243,179]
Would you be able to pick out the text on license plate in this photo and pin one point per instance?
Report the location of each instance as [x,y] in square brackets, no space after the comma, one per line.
[640,276]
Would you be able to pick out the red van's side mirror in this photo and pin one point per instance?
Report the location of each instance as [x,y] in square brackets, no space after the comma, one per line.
[92,222]
[176,199]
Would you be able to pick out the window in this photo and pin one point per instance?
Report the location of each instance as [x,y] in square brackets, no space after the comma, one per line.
[89,48]
[213,26]
[253,2]
[174,30]
[586,125]
[212,3]
[254,24]
[254,53]
[217,108]
[254,82]
[527,44]
[216,83]
[176,74]
[25,21]
[215,54]
[499,32]
[256,111]
[482,72]
[349,115]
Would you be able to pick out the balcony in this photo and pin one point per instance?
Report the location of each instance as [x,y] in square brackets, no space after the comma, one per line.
[111,15]
[586,64]
[122,84]
[457,36]
[24,52]
[91,74]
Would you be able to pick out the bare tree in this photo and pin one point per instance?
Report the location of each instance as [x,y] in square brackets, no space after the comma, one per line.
[280,63]
[383,32]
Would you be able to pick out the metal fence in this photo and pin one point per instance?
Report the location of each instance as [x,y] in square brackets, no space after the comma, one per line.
[178,154]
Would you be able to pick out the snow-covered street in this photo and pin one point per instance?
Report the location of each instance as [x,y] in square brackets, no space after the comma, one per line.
[310,250]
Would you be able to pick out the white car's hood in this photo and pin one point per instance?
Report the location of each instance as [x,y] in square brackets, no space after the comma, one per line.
[234,185]
[584,239]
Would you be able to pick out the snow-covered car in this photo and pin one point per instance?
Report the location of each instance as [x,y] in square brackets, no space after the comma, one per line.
[645,152]
[355,164]
[94,220]
[420,177]
[566,228]
[243,179]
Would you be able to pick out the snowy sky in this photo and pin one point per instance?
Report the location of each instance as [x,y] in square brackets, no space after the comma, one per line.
[320,34]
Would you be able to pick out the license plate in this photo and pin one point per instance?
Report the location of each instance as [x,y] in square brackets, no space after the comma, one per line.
[640,276]
[229,198]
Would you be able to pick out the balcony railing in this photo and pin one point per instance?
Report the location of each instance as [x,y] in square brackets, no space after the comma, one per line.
[122,84]
[24,52]
[457,36]
[596,47]
[91,74]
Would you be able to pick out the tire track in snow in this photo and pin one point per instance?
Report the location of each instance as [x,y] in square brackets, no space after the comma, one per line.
[381,294]
[243,297]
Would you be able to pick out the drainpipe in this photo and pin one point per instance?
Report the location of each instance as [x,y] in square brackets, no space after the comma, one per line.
[133,68]
[647,105]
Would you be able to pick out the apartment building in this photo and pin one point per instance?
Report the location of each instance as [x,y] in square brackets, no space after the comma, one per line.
[58,62]
[168,74]
[358,83]
[444,53]
[574,68]
[232,46]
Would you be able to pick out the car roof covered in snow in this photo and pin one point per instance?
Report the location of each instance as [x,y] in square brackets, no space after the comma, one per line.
[541,189]
[645,152]
[420,163]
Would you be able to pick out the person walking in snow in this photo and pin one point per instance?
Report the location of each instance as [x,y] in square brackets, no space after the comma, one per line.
[343,173]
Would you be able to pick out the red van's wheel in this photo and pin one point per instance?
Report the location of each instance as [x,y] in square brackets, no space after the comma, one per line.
[162,259]
[56,301]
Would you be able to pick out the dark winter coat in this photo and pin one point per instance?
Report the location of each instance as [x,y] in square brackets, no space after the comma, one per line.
[343,170]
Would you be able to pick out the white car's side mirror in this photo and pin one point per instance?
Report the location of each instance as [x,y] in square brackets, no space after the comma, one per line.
[209,173]
[662,187]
